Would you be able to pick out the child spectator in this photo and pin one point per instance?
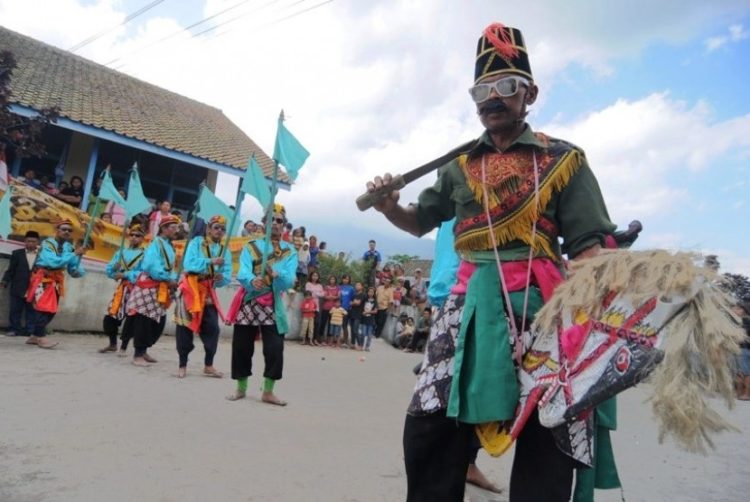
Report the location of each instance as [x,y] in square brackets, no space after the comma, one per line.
[337,321]
[346,291]
[303,260]
[308,308]
[398,294]
[298,239]
[403,332]
[106,217]
[316,288]
[331,296]
[287,234]
[367,327]
[117,212]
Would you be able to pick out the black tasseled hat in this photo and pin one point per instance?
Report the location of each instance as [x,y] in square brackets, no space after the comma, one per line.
[501,49]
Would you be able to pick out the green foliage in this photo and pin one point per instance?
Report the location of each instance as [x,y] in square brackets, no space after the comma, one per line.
[340,265]
[401,259]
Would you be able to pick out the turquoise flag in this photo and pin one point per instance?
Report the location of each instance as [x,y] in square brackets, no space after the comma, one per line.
[288,151]
[108,191]
[254,183]
[210,205]
[5,218]
[137,202]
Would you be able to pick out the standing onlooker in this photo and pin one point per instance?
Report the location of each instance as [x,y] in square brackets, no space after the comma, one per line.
[337,321]
[298,239]
[308,309]
[154,220]
[73,194]
[303,262]
[314,250]
[384,296]
[318,292]
[346,291]
[369,313]
[322,249]
[331,296]
[399,293]
[355,315]
[419,288]
[287,235]
[248,228]
[17,276]
[117,212]
[372,258]
[92,197]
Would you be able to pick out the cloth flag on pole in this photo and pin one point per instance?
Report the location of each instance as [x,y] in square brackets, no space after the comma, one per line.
[108,191]
[210,205]
[5,218]
[254,183]
[288,151]
[137,201]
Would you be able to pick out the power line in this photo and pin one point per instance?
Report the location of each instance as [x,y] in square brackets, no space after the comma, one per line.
[127,19]
[182,30]
[243,15]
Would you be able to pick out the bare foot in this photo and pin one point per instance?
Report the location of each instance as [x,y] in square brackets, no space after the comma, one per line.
[149,359]
[210,371]
[270,398]
[140,361]
[181,372]
[108,348]
[45,343]
[476,477]
[33,340]
[238,394]
[122,353]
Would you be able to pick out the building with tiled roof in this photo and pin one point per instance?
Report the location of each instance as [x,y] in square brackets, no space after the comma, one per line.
[109,118]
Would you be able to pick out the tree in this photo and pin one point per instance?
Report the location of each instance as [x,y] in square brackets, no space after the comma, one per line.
[22,134]
[337,266]
[402,259]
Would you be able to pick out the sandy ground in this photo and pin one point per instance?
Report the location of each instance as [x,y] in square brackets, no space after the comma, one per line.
[79,426]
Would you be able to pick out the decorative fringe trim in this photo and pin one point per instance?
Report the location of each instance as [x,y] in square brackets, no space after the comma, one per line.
[518,225]
[701,342]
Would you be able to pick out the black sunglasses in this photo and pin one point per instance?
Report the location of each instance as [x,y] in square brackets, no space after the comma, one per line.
[65,229]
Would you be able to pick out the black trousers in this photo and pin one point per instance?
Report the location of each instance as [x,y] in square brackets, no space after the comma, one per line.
[438,450]
[380,319]
[20,310]
[209,333]
[243,348]
[39,322]
[146,332]
[110,325]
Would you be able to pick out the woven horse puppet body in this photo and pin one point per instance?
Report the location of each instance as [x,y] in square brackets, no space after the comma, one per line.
[621,317]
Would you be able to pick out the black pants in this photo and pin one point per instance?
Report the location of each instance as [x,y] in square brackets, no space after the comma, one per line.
[243,348]
[437,452]
[39,323]
[209,333]
[110,325]
[146,332]
[416,338]
[380,318]
[20,310]
[323,323]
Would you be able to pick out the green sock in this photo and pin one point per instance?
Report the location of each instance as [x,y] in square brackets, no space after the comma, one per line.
[242,384]
[268,385]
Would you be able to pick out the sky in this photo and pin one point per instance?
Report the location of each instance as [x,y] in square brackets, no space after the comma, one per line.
[655,92]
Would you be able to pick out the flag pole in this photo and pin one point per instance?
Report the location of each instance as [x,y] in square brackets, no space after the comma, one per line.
[237,208]
[90,225]
[269,210]
[196,208]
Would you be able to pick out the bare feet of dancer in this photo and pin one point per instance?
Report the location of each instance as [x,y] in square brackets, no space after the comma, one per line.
[210,371]
[181,372]
[236,396]
[477,478]
[149,359]
[140,361]
[108,348]
[270,398]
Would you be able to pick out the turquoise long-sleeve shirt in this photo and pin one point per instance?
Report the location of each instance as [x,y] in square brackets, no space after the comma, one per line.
[285,266]
[158,260]
[129,265]
[53,256]
[198,260]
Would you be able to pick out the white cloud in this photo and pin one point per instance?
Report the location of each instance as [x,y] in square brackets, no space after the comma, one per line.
[713,43]
[736,33]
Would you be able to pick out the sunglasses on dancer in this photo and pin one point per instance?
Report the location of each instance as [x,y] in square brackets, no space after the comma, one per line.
[135,235]
[504,87]
[218,227]
[65,229]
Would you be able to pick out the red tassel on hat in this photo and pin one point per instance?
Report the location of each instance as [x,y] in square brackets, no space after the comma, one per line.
[499,37]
